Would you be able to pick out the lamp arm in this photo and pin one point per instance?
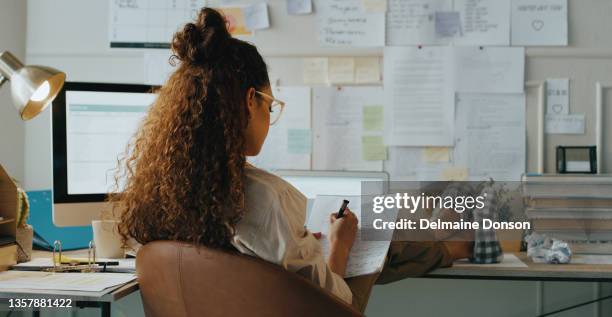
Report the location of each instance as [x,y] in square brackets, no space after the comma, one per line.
[2,80]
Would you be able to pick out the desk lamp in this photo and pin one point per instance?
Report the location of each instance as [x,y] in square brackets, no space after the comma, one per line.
[33,88]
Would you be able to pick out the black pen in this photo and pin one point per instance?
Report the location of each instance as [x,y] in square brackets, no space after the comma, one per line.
[342,208]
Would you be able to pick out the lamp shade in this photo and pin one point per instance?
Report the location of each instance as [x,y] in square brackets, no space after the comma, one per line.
[32,87]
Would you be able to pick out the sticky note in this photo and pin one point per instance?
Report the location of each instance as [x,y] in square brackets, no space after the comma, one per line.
[341,70]
[373,118]
[298,141]
[448,23]
[454,174]
[367,70]
[436,154]
[314,70]
[373,148]
[374,5]
[256,16]
[564,124]
[236,20]
[299,7]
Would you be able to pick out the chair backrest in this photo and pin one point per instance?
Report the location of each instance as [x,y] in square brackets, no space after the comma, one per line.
[180,279]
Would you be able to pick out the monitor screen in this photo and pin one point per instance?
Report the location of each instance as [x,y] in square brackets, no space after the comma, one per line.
[92,126]
[99,126]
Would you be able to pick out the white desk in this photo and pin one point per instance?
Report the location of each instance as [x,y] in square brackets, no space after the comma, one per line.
[102,300]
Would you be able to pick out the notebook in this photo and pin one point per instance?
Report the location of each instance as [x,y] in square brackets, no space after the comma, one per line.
[366,257]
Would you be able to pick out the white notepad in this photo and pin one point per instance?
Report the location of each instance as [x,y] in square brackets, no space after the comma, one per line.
[366,257]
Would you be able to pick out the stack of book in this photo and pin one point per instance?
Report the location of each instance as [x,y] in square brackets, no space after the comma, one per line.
[573,208]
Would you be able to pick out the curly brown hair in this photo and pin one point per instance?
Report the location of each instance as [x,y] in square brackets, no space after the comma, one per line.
[184,168]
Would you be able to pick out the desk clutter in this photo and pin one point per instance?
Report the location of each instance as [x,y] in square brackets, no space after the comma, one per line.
[576,209]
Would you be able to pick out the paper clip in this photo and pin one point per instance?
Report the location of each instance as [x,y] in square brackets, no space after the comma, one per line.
[58,266]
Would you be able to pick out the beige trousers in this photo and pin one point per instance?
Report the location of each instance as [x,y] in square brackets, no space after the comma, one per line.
[405,259]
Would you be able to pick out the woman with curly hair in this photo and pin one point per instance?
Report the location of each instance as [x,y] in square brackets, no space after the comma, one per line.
[187,178]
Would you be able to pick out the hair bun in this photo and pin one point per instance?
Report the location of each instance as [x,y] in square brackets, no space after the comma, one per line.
[204,40]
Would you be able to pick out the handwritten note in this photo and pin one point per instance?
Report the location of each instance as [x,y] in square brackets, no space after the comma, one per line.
[314,70]
[367,70]
[256,16]
[299,7]
[366,257]
[412,22]
[341,70]
[343,23]
[557,96]
[490,69]
[484,22]
[419,96]
[539,22]
[564,124]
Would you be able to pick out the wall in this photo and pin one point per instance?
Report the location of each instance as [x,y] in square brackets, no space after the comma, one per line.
[72,35]
[12,129]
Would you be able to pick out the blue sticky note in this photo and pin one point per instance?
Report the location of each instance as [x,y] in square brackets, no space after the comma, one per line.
[298,141]
[448,23]
[41,219]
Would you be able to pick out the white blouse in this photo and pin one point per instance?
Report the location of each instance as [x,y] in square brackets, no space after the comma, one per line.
[273,229]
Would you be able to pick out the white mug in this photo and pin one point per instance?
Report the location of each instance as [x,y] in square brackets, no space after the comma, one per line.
[107,239]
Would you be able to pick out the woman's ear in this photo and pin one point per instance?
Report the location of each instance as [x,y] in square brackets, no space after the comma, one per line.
[251,100]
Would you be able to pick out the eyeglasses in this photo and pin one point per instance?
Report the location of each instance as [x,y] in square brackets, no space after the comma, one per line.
[276,107]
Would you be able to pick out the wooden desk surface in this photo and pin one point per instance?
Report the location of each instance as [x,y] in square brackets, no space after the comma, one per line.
[108,295]
[533,271]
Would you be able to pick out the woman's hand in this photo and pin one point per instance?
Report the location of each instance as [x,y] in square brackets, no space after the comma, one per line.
[342,232]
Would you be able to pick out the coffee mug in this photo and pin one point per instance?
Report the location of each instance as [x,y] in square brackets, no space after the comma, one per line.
[107,239]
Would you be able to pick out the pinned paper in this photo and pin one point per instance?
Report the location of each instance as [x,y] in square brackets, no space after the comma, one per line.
[315,70]
[299,7]
[454,174]
[299,141]
[373,148]
[374,5]
[373,118]
[256,16]
[539,22]
[557,96]
[436,154]
[236,20]
[448,23]
[341,70]
[565,124]
[367,70]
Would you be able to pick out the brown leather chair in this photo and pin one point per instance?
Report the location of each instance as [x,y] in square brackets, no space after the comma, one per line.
[180,279]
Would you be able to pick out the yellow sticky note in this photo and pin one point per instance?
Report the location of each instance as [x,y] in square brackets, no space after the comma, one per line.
[341,70]
[314,70]
[367,70]
[436,154]
[455,174]
[375,5]
[373,148]
[236,20]
[373,118]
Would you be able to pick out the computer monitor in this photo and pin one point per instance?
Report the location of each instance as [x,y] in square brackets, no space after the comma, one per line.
[92,125]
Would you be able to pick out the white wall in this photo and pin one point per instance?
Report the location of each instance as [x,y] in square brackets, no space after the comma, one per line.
[12,130]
